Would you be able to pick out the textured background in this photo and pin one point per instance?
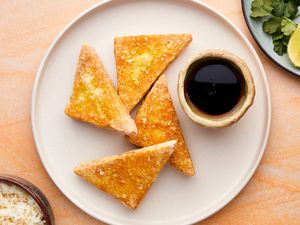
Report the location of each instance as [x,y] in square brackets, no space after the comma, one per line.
[27,27]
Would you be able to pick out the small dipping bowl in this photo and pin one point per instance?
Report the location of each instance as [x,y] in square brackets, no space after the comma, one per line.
[34,192]
[240,108]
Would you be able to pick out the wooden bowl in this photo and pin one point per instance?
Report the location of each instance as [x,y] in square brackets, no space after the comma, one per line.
[34,192]
[228,118]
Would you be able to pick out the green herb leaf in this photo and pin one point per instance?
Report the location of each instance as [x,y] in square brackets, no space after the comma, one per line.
[280,42]
[279,7]
[279,47]
[285,40]
[288,8]
[261,8]
[272,25]
[291,9]
[288,26]
[277,36]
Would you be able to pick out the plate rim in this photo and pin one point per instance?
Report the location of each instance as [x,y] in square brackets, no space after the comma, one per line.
[260,45]
[193,218]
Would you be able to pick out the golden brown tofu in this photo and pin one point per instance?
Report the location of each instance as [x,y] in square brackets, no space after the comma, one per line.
[141,60]
[157,122]
[128,176]
[94,98]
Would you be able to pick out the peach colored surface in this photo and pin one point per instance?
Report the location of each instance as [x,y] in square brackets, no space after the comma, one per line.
[27,27]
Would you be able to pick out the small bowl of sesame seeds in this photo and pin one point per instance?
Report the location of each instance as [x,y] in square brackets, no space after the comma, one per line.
[22,203]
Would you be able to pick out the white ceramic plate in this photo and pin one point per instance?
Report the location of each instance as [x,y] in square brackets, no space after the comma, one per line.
[225,159]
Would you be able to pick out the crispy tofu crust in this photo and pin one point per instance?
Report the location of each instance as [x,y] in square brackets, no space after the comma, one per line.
[141,60]
[94,98]
[128,176]
[157,122]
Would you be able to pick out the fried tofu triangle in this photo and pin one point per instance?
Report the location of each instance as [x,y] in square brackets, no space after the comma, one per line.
[128,176]
[157,122]
[94,97]
[141,60]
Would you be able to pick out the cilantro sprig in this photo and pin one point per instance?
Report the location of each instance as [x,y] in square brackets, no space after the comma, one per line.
[278,21]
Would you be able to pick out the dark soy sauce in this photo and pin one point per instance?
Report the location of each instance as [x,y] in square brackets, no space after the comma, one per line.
[214,86]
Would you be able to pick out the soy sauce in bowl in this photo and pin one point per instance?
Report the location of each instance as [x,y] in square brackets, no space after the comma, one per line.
[214,86]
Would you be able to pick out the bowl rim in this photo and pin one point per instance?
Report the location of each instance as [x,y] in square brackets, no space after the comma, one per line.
[34,192]
[241,107]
